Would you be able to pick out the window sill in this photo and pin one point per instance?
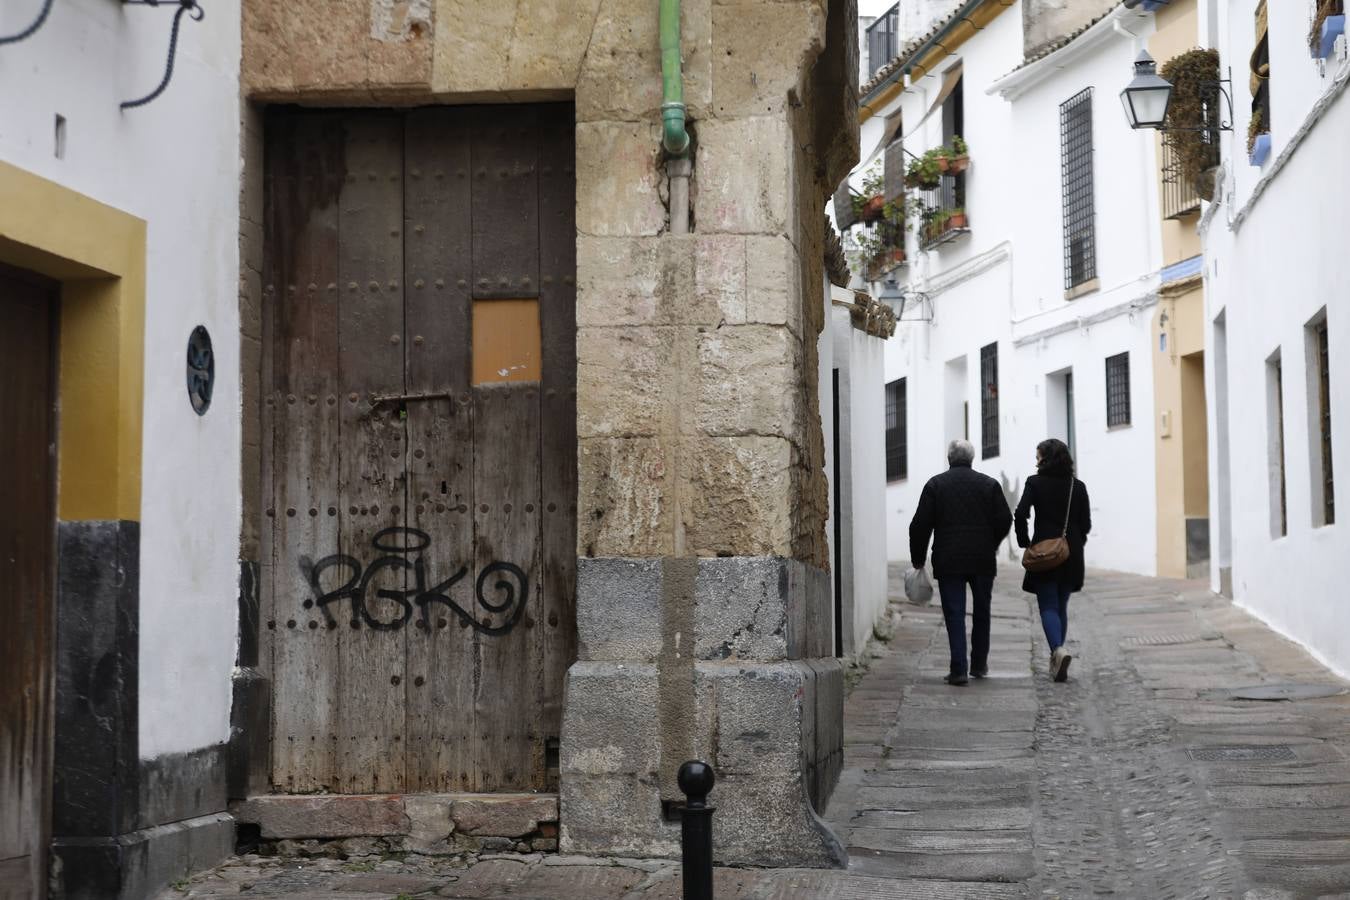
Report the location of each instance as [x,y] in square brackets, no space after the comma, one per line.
[1083,289]
[1124,426]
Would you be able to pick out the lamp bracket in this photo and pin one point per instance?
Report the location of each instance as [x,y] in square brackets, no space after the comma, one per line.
[188,7]
[1224,125]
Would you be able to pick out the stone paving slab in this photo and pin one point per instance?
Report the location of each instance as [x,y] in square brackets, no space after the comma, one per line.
[988,819]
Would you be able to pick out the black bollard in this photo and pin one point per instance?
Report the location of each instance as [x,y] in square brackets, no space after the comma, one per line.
[696,779]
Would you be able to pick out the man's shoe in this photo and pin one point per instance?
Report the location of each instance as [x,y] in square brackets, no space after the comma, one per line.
[981,672]
[1059,664]
[957,680]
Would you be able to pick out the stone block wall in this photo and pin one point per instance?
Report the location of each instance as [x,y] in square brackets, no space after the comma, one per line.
[751,690]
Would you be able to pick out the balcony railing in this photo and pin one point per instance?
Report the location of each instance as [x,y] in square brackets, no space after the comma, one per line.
[1179,197]
[941,211]
[883,39]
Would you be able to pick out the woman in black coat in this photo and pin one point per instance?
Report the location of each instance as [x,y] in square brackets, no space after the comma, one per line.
[1048,493]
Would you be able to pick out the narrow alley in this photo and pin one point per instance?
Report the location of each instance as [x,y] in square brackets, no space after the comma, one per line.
[1193,753]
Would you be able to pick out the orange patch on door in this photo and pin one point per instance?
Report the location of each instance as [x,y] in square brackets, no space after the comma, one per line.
[506,343]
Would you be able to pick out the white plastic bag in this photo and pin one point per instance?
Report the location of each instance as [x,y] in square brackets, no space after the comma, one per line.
[918,589]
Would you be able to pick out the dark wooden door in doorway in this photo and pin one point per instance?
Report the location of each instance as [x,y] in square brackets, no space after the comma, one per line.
[27,533]
[420,446]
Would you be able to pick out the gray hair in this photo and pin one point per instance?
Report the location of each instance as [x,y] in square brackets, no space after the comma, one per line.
[960,453]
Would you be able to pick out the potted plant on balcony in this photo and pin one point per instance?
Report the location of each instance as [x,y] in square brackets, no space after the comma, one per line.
[924,172]
[1258,139]
[869,206]
[1327,25]
[934,224]
[956,218]
[958,156]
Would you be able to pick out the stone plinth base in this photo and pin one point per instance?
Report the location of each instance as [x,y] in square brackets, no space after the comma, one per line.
[715,659]
[422,823]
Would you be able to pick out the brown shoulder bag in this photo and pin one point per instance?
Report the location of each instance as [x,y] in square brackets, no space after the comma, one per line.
[1043,556]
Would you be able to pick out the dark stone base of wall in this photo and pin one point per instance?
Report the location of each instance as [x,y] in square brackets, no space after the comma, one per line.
[135,866]
[181,827]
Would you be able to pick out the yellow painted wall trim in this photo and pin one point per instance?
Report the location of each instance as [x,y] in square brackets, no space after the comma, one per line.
[98,255]
[962,31]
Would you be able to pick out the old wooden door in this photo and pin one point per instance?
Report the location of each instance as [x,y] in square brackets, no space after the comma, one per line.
[26,581]
[420,457]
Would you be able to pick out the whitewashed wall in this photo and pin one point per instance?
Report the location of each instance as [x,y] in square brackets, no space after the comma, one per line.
[175,164]
[861,360]
[1271,265]
[1004,283]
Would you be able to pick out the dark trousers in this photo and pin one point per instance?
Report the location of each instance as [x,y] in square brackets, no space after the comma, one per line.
[1053,599]
[952,589]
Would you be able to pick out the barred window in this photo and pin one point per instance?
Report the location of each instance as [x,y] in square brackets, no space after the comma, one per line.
[897,433]
[989,401]
[1321,415]
[1118,390]
[1080,233]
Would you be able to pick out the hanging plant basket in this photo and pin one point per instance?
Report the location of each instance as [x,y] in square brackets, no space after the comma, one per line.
[958,164]
[1194,107]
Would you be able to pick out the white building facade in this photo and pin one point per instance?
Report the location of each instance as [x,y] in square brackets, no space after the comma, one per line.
[1276,319]
[122,220]
[1033,317]
[852,360]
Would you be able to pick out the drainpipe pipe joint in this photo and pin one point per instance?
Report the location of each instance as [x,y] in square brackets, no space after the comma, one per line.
[675,138]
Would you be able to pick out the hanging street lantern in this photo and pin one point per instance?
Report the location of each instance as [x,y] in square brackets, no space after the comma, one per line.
[892,295]
[1146,98]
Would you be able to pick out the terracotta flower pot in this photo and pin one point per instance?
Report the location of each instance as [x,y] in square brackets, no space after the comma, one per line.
[958,164]
[943,163]
[872,209]
[956,220]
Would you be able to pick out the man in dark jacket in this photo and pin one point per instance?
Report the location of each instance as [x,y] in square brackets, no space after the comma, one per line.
[967,517]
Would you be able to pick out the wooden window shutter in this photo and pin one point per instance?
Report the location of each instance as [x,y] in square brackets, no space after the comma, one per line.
[843,208]
[894,170]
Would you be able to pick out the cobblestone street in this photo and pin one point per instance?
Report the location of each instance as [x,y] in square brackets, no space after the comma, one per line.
[1155,772]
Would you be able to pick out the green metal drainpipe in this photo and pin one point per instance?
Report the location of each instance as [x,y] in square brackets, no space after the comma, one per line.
[675,139]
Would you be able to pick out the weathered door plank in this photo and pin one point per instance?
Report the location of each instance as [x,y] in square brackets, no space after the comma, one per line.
[506,462]
[555,632]
[505,202]
[506,537]
[26,582]
[373,457]
[305,171]
[441,647]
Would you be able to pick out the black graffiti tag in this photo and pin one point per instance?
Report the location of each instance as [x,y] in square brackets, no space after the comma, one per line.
[512,587]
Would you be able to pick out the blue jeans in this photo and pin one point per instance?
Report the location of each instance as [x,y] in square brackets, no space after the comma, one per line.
[952,589]
[1053,600]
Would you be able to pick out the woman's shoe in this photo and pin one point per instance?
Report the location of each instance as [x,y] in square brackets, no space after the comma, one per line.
[1059,664]
[955,679]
